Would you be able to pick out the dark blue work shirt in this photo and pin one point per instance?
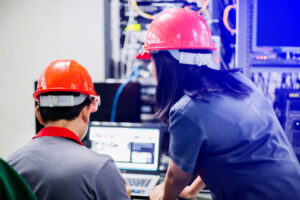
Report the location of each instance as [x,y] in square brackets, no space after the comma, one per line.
[236,145]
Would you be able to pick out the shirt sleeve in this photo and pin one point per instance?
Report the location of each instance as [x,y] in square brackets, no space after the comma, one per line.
[186,141]
[110,184]
[12,185]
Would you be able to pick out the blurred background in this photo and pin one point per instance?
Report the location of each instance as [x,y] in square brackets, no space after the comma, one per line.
[259,36]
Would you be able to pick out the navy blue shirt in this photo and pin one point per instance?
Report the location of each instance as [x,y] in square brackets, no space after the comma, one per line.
[236,145]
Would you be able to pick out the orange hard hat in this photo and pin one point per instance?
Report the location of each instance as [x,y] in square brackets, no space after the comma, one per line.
[65,76]
[177,28]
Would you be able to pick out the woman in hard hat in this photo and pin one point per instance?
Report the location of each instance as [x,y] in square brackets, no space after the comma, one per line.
[221,127]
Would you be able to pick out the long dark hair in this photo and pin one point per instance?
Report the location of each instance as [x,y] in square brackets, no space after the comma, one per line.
[175,79]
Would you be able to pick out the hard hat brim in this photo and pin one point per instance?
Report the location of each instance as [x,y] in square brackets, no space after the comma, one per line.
[144,56]
[37,93]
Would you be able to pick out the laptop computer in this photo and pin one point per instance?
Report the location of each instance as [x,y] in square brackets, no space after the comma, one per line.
[135,150]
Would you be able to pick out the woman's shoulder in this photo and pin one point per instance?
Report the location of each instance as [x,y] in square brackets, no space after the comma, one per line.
[181,104]
[243,78]
[187,105]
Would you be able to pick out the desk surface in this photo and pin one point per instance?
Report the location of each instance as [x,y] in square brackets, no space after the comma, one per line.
[200,196]
[204,196]
[164,160]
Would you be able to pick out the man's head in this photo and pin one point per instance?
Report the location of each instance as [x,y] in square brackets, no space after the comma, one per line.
[65,93]
[69,113]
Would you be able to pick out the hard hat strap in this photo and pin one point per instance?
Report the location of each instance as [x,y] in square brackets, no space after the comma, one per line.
[198,59]
[61,100]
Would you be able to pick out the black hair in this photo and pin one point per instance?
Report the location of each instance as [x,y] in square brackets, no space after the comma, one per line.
[51,114]
[175,80]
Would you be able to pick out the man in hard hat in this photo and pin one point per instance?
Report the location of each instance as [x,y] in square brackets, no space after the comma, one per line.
[55,163]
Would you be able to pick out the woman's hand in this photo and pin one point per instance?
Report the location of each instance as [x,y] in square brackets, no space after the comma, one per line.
[191,191]
[157,192]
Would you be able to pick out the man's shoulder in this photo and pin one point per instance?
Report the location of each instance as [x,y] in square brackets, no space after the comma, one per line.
[91,157]
[38,153]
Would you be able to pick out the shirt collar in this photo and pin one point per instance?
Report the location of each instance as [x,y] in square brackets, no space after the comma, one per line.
[58,132]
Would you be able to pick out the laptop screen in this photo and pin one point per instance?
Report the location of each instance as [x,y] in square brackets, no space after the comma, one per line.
[132,148]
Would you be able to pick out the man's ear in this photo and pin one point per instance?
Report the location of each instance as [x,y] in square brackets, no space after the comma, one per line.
[86,112]
[38,115]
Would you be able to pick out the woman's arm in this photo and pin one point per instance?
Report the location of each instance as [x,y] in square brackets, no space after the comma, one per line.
[175,181]
[191,191]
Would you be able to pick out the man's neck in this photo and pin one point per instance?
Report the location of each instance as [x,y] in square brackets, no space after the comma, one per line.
[71,125]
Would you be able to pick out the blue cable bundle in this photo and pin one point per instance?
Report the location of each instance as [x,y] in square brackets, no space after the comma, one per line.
[134,73]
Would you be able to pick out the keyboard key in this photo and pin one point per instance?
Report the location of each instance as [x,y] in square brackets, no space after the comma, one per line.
[137,182]
[135,191]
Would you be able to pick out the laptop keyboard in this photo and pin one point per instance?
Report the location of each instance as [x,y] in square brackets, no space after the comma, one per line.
[141,184]
[138,182]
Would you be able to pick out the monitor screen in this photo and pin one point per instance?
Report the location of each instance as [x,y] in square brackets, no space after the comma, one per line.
[276,23]
[131,148]
[129,103]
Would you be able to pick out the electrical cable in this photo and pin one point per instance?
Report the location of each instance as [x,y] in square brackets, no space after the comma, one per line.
[226,15]
[135,73]
[283,80]
[204,4]
[201,11]
[268,84]
[291,80]
[129,41]
[140,12]
[262,81]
